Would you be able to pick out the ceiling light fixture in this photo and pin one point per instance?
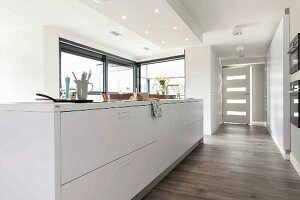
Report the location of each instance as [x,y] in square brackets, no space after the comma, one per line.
[237,31]
[156,10]
[175,27]
[240,48]
[187,39]
[124,17]
[100,1]
[146,32]
[163,42]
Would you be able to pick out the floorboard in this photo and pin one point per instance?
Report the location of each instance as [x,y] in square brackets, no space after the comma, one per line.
[237,162]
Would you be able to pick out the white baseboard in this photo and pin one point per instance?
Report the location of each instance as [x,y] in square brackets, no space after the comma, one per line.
[295,163]
[285,155]
[213,130]
[257,123]
[207,132]
[216,128]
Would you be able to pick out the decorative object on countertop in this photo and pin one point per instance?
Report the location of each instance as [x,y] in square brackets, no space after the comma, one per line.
[67,92]
[175,88]
[63,93]
[72,94]
[156,108]
[117,96]
[162,82]
[136,97]
[105,97]
[82,89]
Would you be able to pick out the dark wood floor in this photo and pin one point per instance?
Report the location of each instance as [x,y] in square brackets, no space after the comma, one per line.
[237,162]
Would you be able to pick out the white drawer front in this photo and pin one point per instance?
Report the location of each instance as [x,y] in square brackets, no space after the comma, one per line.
[195,132]
[119,180]
[91,139]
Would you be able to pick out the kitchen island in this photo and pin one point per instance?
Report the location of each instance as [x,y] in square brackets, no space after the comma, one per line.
[110,151]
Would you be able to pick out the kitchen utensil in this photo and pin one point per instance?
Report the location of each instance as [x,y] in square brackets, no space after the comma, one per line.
[63,100]
[82,89]
[67,92]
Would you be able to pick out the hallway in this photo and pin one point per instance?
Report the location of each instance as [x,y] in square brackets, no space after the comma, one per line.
[237,162]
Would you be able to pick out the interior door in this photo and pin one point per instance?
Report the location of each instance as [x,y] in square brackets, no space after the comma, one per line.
[236,95]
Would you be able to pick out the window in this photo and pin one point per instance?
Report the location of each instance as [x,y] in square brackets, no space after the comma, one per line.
[237,89]
[239,77]
[78,64]
[120,78]
[236,101]
[173,70]
[236,113]
[110,73]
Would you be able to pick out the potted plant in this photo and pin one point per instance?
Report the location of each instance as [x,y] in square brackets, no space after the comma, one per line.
[162,82]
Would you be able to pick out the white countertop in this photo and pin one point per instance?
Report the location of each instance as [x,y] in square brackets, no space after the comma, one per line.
[64,107]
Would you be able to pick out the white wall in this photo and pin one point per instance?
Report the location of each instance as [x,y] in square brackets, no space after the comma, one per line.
[278,87]
[216,91]
[21,61]
[258,80]
[29,61]
[203,79]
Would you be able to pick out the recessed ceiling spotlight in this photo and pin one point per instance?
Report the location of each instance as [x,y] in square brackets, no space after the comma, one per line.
[124,17]
[100,1]
[146,48]
[115,33]
[163,42]
[156,10]
[187,39]
[175,27]
[146,32]
[237,31]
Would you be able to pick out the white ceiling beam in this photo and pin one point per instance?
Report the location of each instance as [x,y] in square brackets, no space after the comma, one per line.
[186,17]
[244,61]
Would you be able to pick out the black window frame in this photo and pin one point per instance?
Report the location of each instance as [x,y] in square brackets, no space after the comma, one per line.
[160,60]
[92,53]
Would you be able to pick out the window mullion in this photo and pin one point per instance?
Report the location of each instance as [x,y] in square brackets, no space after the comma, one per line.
[105,75]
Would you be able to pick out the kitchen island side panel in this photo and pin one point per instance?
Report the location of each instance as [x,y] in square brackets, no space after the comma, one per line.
[27,156]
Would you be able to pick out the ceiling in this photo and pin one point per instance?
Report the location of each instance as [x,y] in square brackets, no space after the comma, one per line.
[257,18]
[198,22]
[94,21]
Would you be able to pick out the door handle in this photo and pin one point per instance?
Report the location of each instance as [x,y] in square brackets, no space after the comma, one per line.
[247,94]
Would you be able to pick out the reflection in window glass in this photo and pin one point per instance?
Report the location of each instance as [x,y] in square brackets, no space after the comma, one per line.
[173,70]
[78,64]
[120,78]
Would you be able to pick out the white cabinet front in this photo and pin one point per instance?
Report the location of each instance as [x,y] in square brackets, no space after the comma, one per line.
[195,111]
[119,180]
[91,139]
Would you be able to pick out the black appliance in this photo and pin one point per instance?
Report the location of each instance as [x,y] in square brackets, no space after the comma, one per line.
[295,96]
[294,54]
